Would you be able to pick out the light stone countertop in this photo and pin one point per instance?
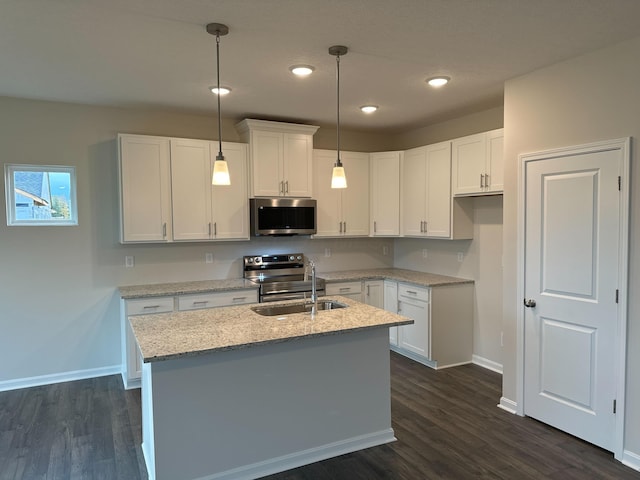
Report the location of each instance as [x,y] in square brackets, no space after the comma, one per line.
[203,286]
[167,336]
[181,288]
[398,274]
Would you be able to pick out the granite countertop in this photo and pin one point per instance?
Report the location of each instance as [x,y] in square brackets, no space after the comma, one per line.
[203,286]
[398,274]
[167,336]
[180,288]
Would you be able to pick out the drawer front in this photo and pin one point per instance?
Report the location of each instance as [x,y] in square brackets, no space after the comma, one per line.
[217,299]
[142,306]
[343,288]
[412,292]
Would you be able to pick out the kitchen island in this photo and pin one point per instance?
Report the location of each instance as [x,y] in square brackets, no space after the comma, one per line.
[228,393]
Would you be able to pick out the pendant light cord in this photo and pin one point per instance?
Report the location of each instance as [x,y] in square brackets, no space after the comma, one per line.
[338,163]
[220,155]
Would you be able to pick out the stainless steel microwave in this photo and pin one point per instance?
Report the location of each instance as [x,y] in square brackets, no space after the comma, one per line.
[283,216]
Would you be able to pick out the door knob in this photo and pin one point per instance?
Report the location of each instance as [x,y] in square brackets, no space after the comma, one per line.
[529,303]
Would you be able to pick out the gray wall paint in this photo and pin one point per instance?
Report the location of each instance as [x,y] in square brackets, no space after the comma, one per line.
[586,99]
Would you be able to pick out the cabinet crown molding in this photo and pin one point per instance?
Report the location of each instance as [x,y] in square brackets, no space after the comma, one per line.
[249,124]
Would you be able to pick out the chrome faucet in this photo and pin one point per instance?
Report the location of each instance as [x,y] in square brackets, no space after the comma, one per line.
[314,292]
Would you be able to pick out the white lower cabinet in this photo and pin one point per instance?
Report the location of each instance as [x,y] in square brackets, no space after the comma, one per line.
[352,290]
[442,335]
[373,293]
[391,305]
[131,356]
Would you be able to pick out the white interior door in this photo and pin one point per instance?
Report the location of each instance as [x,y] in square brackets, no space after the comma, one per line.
[571,280]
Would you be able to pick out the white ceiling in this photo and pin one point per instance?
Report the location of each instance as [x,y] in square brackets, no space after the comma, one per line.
[157,54]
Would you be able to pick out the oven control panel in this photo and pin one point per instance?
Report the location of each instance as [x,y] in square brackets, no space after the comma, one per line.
[281,260]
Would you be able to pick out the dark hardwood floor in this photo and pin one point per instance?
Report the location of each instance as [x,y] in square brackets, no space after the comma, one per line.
[446,422]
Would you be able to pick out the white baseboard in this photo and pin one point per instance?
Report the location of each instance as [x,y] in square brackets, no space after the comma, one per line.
[486,363]
[631,460]
[508,405]
[305,457]
[58,378]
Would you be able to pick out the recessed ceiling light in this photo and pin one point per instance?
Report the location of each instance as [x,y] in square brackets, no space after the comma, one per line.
[438,81]
[223,90]
[301,70]
[369,108]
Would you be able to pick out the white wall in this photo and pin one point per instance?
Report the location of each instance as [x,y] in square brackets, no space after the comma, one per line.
[586,99]
[58,299]
[482,262]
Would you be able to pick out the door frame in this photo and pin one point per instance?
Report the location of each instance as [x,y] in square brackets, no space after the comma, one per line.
[624,146]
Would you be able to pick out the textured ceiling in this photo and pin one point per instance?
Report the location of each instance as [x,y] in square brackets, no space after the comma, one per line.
[157,54]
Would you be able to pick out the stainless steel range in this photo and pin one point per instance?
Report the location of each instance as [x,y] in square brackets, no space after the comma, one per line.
[281,277]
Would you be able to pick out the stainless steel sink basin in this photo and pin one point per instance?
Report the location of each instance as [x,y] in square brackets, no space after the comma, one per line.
[276,310]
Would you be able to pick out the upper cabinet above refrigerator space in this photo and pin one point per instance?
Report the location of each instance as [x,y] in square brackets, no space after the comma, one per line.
[280,158]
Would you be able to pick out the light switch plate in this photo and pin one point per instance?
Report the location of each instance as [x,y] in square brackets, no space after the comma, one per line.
[128,261]
[460,256]
[208,257]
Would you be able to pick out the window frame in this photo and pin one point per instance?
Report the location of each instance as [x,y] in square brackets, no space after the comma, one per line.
[9,177]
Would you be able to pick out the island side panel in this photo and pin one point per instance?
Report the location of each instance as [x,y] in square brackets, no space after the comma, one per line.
[250,412]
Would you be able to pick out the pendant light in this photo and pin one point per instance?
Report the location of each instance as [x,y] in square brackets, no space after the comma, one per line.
[338,178]
[220,168]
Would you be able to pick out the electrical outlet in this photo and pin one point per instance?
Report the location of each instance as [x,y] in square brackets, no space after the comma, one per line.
[128,261]
[424,253]
[327,252]
[208,257]
[460,256]
[385,250]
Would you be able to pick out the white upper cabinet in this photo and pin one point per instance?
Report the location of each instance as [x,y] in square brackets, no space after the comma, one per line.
[341,211]
[280,157]
[202,211]
[477,164]
[145,188]
[385,194]
[426,194]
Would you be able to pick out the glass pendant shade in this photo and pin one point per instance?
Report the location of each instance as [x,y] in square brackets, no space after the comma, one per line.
[220,173]
[338,179]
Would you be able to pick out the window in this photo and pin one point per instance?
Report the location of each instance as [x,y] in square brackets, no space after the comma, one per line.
[40,195]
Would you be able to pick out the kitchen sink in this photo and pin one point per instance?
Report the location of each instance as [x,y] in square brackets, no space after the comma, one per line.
[275,310]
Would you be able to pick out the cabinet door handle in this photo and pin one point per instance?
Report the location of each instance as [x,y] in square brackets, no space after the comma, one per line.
[368,290]
[215,228]
[421,226]
[375,227]
[281,190]
[286,185]
[481,180]
[425,226]
[164,230]
[340,227]
[209,228]
[486,180]
[345,227]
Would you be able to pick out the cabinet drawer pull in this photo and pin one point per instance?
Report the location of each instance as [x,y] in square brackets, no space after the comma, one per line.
[239,299]
[201,302]
[150,307]
[412,292]
[345,289]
